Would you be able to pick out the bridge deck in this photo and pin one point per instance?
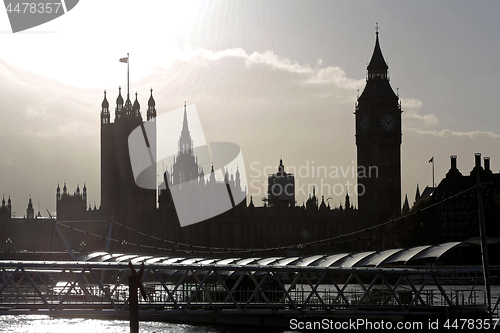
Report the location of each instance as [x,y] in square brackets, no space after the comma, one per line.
[209,290]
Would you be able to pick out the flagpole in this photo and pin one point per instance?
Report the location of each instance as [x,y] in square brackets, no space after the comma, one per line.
[128,77]
[433,183]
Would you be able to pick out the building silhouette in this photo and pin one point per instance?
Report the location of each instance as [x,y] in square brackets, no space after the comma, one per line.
[281,188]
[188,194]
[458,217]
[378,143]
[6,210]
[280,224]
[121,198]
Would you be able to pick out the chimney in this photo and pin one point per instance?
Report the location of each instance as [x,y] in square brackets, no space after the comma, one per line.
[478,160]
[453,162]
[487,164]
[477,166]
[453,170]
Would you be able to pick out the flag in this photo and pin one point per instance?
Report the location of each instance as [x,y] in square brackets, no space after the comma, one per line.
[125,60]
[431,160]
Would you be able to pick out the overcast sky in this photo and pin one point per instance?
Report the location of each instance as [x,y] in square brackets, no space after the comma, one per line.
[279,78]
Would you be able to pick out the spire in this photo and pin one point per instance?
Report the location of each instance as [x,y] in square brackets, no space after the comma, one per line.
[30,212]
[128,106]
[212,174]
[84,195]
[251,205]
[185,121]
[417,195]
[406,206]
[377,62]
[377,79]
[238,179]
[119,105]
[281,168]
[136,108]
[347,200]
[151,101]
[105,103]
[185,142]
[322,206]
[119,99]
[151,114]
[105,110]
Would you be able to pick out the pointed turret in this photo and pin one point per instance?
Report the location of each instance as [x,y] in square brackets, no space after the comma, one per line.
[347,200]
[136,108]
[322,206]
[238,179]
[417,195]
[201,176]
[281,169]
[151,114]
[251,205]
[58,193]
[30,212]
[128,106]
[406,206]
[212,175]
[105,110]
[119,105]
[84,194]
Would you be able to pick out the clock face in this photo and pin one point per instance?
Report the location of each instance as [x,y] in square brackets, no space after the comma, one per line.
[387,122]
[364,123]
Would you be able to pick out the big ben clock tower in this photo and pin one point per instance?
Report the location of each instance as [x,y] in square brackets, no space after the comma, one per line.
[378,141]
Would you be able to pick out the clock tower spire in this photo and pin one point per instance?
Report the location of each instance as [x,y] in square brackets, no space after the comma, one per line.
[378,141]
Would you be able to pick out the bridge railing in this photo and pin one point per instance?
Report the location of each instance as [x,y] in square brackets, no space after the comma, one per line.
[60,286]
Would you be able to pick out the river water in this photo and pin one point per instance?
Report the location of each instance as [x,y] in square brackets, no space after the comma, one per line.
[46,324]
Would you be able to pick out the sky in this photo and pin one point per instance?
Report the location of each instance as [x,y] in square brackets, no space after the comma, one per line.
[278,78]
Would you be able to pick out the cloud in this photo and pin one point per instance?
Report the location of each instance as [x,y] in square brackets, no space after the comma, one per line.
[446,133]
[316,75]
[412,117]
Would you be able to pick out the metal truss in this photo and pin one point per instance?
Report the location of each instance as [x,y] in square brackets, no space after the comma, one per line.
[91,288]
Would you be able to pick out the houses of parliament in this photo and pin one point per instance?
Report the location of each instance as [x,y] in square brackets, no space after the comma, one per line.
[135,219]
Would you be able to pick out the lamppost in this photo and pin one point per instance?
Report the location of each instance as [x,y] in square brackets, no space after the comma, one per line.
[8,241]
